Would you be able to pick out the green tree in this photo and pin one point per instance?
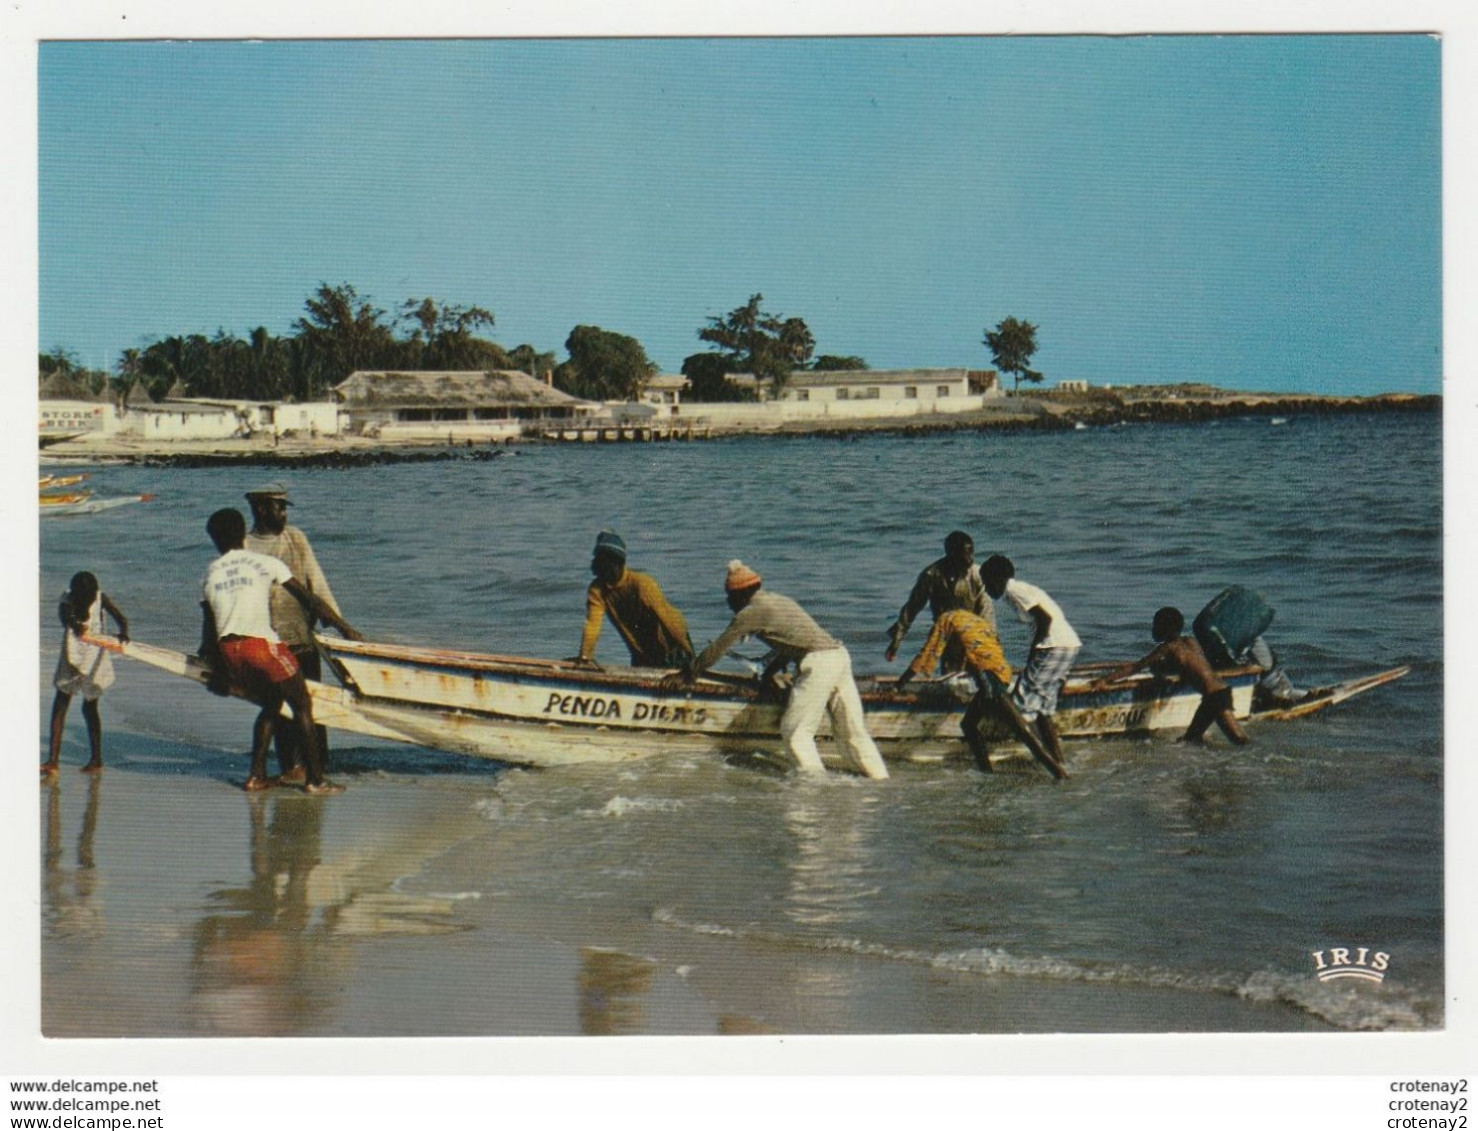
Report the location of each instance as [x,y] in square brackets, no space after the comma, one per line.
[59,360]
[708,379]
[443,336]
[837,363]
[269,366]
[526,358]
[603,365]
[755,341]
[342,333]
[1011,346]
[188,360]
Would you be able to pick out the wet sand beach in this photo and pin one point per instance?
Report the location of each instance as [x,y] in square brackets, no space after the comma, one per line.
[175,905]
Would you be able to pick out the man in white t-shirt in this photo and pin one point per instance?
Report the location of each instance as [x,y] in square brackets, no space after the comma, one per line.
[1050,656]
[243,651]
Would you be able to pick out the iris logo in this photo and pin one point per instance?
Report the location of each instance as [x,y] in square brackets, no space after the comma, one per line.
[1339,964]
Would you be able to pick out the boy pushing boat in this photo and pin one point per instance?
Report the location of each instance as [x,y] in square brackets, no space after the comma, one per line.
[239,644]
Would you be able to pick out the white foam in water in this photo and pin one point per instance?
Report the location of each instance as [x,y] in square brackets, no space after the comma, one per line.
[489,808]
[621,806]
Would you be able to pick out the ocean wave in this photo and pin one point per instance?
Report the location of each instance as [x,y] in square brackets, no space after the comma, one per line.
[1391,1008]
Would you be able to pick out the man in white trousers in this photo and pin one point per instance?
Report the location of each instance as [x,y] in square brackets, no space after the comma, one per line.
[824,683]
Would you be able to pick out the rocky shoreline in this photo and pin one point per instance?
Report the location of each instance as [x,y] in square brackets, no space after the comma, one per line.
[1049,412]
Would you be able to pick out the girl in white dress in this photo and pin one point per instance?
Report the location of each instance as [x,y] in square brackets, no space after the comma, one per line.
[83,668]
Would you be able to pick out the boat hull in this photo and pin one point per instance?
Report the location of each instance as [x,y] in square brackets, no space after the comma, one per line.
[85,504]
[548,713]
[545,713]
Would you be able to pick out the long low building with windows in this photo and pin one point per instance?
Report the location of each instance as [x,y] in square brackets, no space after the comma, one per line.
[453,405]
[921,389]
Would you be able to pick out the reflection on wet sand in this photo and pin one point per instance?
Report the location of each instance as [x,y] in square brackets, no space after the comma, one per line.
[264,965]
[271,961]
[612,988]
[71,910]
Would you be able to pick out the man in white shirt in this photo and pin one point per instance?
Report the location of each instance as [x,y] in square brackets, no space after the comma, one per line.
[1050,656]
[245,654]
[273,535]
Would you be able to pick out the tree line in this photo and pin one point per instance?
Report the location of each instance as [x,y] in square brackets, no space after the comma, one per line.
[341,331]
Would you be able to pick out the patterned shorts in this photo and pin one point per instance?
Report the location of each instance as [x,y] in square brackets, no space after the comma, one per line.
[255,663]
[1038,684]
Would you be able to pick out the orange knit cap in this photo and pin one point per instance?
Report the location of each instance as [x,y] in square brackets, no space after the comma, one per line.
[740,577]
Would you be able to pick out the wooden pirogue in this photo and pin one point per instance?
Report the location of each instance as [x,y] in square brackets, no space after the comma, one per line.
[535,712]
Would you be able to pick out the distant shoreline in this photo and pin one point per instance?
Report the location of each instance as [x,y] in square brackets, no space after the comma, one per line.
[1042,412]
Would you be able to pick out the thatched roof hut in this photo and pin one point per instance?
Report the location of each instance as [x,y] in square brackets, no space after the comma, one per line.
[138,396]
[507,391]
[60,386]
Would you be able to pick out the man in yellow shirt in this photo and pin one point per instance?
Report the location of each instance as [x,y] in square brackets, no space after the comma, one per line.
[963,640]
[655,633]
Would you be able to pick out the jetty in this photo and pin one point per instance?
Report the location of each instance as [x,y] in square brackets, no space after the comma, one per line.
[628,433]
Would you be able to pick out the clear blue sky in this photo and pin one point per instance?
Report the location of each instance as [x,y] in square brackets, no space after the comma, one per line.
[1259,212]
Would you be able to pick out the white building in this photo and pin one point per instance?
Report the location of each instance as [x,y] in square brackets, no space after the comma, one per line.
[65,413]
[914,390]
[203,418]
[665,391]
[184,421]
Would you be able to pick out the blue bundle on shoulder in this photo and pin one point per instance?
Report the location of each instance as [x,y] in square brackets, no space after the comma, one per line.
[1230,622]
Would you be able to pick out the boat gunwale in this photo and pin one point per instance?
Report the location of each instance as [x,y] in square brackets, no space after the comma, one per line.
[927,695]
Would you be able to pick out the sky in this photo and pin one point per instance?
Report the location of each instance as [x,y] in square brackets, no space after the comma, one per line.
[1259,212]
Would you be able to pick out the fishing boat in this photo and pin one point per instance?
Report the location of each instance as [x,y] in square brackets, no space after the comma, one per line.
[55,506]
[57,482]
[535,712]
[66,499]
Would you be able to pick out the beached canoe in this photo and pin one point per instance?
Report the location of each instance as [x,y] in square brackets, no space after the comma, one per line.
[548,713]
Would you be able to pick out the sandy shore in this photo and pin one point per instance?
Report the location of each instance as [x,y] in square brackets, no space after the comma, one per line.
[175,905]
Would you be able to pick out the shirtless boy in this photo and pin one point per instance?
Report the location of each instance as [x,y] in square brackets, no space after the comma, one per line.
[1175,654]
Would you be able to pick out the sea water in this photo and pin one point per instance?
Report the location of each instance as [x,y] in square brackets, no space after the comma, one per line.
[1207,874]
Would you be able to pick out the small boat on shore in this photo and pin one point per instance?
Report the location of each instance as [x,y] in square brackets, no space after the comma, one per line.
[535,712]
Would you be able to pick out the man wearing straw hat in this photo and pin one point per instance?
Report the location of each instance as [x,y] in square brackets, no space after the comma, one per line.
[271,534]
[823,686]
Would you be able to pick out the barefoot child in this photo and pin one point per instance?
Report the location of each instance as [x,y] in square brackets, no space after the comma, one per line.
[1181,655]
[83,669]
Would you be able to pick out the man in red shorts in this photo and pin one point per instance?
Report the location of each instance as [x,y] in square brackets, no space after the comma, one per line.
[243,651]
